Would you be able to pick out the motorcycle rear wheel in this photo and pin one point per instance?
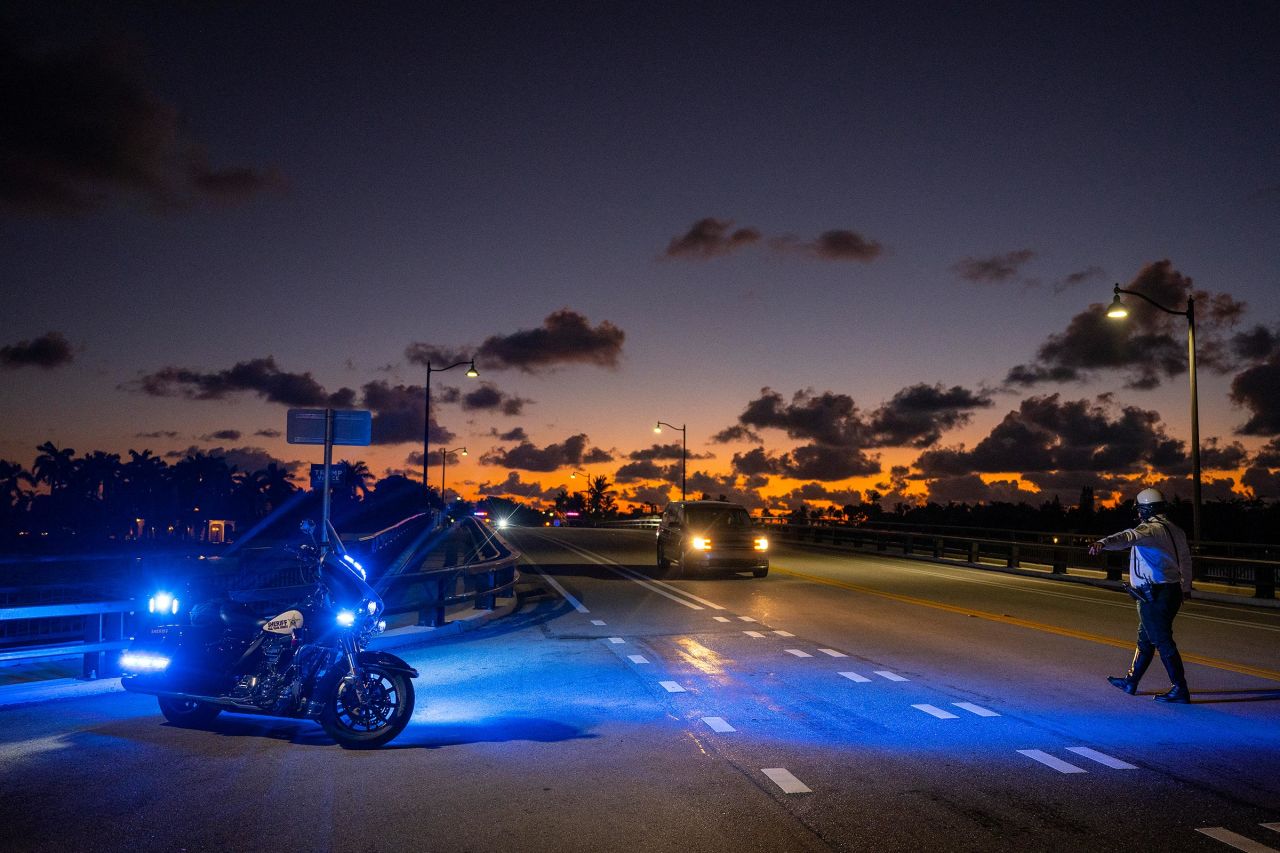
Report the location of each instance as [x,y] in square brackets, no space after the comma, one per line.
[187,712]
[379,720]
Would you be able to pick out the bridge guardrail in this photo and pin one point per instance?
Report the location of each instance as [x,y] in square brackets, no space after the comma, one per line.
[1069,551]
[102,634]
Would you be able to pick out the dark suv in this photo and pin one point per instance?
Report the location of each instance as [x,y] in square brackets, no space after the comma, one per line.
[711,535]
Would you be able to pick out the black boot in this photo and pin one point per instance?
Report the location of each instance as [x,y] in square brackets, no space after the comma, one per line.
[1129,683]
[1178,694]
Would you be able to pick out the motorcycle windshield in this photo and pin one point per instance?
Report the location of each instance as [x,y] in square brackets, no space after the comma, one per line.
[347,588]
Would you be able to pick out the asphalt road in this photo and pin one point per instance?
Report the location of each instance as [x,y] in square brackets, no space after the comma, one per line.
[842,703]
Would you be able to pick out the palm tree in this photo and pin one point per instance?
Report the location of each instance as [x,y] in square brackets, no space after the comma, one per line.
[54,467]
[358,477]
[600,498]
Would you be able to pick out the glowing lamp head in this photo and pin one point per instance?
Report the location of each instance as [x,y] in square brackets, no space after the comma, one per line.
[163,603]
[346,618]
[1117,310]
[471,371]
[143,662]
[657,429]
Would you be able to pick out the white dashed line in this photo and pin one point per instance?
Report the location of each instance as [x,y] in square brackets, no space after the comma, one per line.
[577,605]
[721,618]
[718,724]
[1101,758]
[979,710]
[1049,761]
[616,640]
[1274,827]
[798,653]
[671,687]
[784,633]
[755,634]
[746,619]
[934,711]
[833,653]
[783,778]
[892,676]
[637,658]
[597,621]
[1235,840]
[853,676]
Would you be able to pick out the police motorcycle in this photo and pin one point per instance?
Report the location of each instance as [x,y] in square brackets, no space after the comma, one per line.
[308,662]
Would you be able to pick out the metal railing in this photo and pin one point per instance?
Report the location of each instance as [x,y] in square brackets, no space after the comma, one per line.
[103,633]
[1062,554]
[646,523]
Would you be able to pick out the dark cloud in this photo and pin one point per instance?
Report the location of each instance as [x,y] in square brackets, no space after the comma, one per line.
[488,398]
[820,462]
[647,469]
[525,456]
[755,462]
[436,357]
[970,488]
[1268,456]
[736,432]
[565,337]
[658,495]
[994,269]
[260,376]
[414,459]
[1149,346]
[666,451]
[515,434]
[269,433]
[713,486]
[48,351]
[827,418]
[1083,276]
[515,487]
[710,238]
[447,395]
[161,433]
[398,413]
[809,492]
[595,455]
[1262,483]
[82,127]
[222,435]
[1257,388]
[918,415]
[836,245]
[244,459]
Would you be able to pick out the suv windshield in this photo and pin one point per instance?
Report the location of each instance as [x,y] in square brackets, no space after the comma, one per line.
[707,517]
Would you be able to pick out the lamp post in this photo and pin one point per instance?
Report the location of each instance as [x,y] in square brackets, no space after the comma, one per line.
[1118,311]
[684,449]
[444,455]
[426,424]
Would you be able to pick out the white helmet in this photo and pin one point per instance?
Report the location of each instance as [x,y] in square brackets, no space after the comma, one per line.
[1146,497]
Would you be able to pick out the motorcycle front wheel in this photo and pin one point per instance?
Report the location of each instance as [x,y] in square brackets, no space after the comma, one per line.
[375,721]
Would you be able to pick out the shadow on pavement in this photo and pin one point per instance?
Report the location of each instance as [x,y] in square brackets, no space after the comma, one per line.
[1215,697]
[499,730]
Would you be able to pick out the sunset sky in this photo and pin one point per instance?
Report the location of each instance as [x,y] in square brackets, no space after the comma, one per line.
[852,247]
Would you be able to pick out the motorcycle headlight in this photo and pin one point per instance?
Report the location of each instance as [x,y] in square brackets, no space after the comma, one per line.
[371,607]
[346,618]
[163,603]
[143,662]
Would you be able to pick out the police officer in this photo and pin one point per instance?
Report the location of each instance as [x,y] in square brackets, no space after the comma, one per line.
[1160,576]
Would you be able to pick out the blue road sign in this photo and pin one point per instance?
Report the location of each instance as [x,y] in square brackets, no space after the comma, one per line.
[350,426]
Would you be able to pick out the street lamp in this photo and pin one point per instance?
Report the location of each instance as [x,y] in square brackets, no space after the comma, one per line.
[684,449]
[1118,311]
[426,424]
[443,457]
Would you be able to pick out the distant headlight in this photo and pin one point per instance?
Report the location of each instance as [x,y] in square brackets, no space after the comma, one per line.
[346,618]
[762,544]
[162,602]
[143,662]
[701,543]
[502,524]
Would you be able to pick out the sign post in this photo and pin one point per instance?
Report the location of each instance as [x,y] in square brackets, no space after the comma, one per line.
[329,427]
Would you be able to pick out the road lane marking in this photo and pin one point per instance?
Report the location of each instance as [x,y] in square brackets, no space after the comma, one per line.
[798,653]
[616,640]
[784,633]
[833,653]
[563,592]
[1235,840]
[644,583]
[637,658]
[671,687]
[783,778]
[980,711]
[676,589]
[718,724]
[1274,827]
[746,619]
[1101,758]
[649,583]
[721,618]
[934,711]
[853,676]
[597,622]
[1049,761]
[755,634]
[892,676]
[1242,669]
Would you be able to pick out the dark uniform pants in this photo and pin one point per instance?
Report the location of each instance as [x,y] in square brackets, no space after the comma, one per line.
[1155,632]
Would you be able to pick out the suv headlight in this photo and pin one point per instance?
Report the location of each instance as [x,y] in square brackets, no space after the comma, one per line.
[701,543]
[762,543]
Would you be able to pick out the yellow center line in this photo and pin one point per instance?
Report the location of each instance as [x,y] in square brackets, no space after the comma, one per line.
[1230,666]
